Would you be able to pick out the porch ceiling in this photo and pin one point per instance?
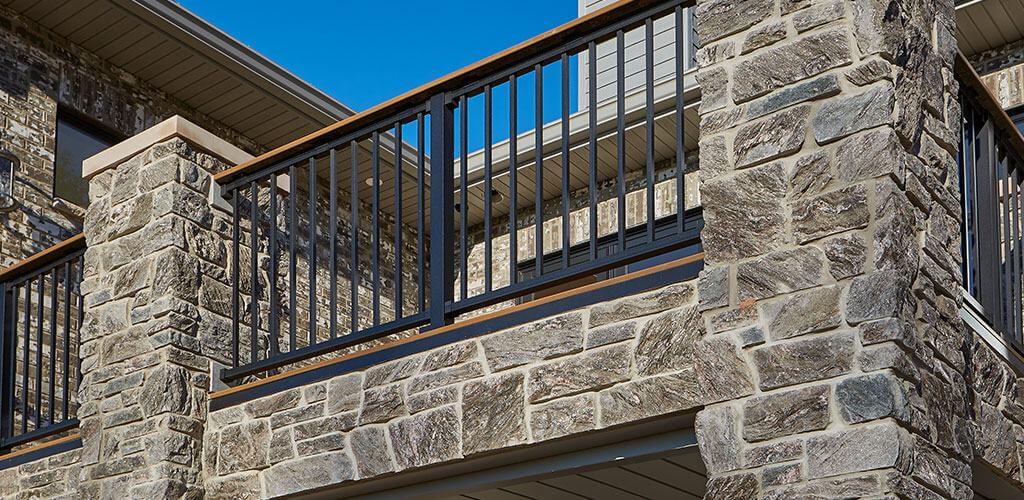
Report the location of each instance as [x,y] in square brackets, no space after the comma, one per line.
[182,55]
[987,24]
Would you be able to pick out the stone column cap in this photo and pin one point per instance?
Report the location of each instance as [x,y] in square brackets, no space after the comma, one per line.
[175,126]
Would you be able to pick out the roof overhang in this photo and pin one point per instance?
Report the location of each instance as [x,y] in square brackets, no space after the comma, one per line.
[179,53]
[983,25]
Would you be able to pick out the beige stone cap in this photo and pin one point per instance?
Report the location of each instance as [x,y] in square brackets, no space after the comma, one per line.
[174,126]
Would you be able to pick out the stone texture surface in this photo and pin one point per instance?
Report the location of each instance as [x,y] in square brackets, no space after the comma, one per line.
[493,413]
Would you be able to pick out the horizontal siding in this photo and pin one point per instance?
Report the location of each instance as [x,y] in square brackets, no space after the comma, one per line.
[634,57]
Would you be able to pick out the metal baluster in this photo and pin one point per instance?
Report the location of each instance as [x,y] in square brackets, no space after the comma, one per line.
[421,207]
[39,351]
[25,358]
[293,278]
[565,160]
[649,146]
[254,313]
[1004,200]
[236,317]
[53,343]
[442,208]
[333,236]
[354,223]
[66,362]
[620,133]
[592,144]
[398,220]
[538,172]
[680,122]
[272,272]
[8,360]
[375,225]
[463,197]
[313,261]
[513,181]
[487,187]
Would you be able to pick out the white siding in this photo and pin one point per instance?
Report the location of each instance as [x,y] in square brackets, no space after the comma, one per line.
[664,56]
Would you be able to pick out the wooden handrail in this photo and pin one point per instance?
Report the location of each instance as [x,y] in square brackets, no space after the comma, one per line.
[966,74]
[41,259]
[521,52]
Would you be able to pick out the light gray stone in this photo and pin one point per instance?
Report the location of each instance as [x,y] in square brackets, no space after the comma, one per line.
[786,413]
[449,356]
[846,255]
[393,371]
[545,339]
[879,295]
[382,404]
[243,446]
[807,360]
[721,373]
[370,449]
[278,402]
[810,175]
[718,438]
[432,399]
[493,413]
[830,213]
[858,449]
[307,473]
[773,137]
[713,288]
[610,334]
[644,304]
[327,442]
[780,272]
[805,312]
[869,72]
[763,36]
[823,86]
[667,342]
[743,213]
[344,393]
[873,154]
[426,438]
[848,115]
[167,389]
[871,397]
[244,486]
[818,15]
[782,451]
[721,18]
[742,485]
[589,371]
[445,376]
[643,398]
[784,64]
[563,417]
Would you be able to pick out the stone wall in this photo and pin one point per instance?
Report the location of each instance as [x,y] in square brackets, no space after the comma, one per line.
[39,72]
[56,476]
[608,365]
[836,123]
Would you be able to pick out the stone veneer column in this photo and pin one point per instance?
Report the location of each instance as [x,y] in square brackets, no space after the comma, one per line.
[154,296]
[828,135]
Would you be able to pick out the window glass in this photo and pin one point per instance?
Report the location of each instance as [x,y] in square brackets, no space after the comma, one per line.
[76,141]
[1017,115]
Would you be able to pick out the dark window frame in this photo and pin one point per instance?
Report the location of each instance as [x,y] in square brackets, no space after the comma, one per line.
[1017,116]
[85,124]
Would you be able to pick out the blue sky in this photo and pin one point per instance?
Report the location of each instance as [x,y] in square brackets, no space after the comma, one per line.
[363,52]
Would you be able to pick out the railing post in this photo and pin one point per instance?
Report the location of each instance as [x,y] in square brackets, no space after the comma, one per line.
[7,365]
[442,203]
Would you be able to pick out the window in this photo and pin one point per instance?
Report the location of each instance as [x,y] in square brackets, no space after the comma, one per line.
[1017,115]
[77,139]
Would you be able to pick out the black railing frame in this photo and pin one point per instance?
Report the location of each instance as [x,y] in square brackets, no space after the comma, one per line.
[442,307]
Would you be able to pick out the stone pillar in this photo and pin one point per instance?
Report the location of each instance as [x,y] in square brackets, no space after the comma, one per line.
[828,135]
[154,297]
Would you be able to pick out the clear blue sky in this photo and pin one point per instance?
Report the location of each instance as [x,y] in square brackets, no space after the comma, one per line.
[363,52]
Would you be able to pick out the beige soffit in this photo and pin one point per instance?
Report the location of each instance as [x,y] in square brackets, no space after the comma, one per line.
[174,126]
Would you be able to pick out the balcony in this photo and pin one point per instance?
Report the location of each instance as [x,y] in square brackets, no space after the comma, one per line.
[530,173]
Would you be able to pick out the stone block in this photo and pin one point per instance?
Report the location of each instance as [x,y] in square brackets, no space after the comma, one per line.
[344,393]
[243,486]
[802,361]
[589,371]
[788,63]
[450,355]
[721,18]
[773,137]
[859,449]
[805,312]
[426,438]
[610,334]
[382,404]
[718,438]
[563,417]
[743,213]
[643,398]
[493,413]
[831,213]
[845,116]
[307,473]
[872,397]
[810,175]
[545,339]
[644,304]
[786,413]
[780,272]
[667,342]
[243,446]
[446,376]
[370,449]
[846,255]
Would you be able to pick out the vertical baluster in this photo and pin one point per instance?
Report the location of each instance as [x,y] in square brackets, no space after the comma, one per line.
[313,261]
[592,143]
[9,365]
[53,344]
[565,160]
[1018,258]
[354,227]
[398,220]
[513,181]
[81,319]
[442,209]
[254,310]
[487,187]
[620,133]
[293,278]
[421,207]
[66,361]
[375,224]
[39,349]
[25,356]
[236,317]
[649,143]
[1003,191]
[538,171]
[333,237]
[273,327]
[463,197]
[680,121]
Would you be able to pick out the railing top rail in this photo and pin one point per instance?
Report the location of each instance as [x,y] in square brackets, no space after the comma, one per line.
[516,54]
[43,258]
[987,100]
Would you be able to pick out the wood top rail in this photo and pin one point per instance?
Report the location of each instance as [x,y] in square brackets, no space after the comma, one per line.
[452,81]
[40,446]
[41,259]
[967,75]
[462,324]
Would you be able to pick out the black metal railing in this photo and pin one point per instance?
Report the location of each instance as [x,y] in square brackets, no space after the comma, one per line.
[991,161]
[39,340]
[436,204]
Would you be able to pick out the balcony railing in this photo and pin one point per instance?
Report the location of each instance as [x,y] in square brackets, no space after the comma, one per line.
[991,162]
[484,187]
[39,339]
